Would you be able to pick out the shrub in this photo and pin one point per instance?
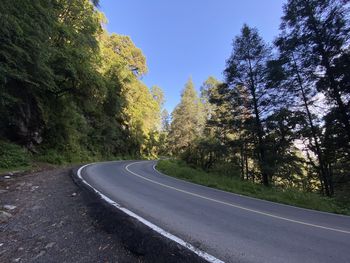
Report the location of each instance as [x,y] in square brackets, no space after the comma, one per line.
[51,156]
[13,155]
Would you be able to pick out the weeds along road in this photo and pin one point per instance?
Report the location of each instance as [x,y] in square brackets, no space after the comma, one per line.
[223,226]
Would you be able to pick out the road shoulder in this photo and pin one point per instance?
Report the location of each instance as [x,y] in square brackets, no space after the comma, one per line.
[49,220]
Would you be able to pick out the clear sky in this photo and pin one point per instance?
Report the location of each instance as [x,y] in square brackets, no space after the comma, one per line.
[183,38]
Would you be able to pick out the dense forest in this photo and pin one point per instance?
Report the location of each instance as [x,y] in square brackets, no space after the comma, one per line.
[282,114]
[71,92]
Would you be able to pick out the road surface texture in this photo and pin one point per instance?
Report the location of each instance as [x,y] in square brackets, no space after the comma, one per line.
[229,227]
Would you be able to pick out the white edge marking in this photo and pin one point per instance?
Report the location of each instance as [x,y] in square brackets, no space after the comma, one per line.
[159,230]
[234,205]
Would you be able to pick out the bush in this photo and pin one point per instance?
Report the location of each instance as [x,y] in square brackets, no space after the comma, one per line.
[12,155]
[51,156]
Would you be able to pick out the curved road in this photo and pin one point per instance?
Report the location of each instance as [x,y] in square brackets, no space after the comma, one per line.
[227,226]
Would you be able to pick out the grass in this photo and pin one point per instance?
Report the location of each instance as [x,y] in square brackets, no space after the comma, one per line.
[13,155]
[292,197]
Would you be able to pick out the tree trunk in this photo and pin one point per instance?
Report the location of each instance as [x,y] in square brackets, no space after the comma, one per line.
[323,171]
[246,166]
[242,162]
[260,132]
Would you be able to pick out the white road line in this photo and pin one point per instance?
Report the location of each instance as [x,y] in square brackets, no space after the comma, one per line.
[234,205]
[159,230]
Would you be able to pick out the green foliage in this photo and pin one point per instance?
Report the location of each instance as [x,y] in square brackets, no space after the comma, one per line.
[281,154]
[233,184]
[51,156]
[69,91]
[158,95]
[24,70]
[206,152]
[245,76]
[209,87]
[165,118]
[188,119]
[314,38]
[130,56]
[281,118]
[139,108]
[12,155]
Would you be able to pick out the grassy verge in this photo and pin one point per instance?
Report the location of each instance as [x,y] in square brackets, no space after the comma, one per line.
[289,196]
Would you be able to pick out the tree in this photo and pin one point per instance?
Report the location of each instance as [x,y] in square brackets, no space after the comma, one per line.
[298,90]
[158,95]
[141,107]
[25,74]
[128,53]
[313,41]
[247,68]
[337,155]
[208,87]
[321,32]
[284,158]
[187,120]
[68,87]
[165,121]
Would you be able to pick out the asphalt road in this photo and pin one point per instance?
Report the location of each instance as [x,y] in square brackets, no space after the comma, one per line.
[229,227]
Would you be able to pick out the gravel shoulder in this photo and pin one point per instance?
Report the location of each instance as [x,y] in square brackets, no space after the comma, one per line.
[44,217]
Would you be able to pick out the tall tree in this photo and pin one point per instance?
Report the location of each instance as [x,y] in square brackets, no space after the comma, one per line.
[129,54]
[158,95]
[284,158]
[187,120]
[247,67]
[321,31]
[141,107]
[313,41]
[297,87]
[165,121]
[209,87]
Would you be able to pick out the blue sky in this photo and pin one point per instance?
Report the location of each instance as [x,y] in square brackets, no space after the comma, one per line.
[188,38]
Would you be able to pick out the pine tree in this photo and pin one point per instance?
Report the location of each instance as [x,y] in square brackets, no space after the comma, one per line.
[298,90]
[165,121]
[208,87]
[315,57]
[188,120]
[320,31]
[247,67]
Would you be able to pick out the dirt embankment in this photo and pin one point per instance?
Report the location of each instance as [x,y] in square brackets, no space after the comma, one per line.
[44,218]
